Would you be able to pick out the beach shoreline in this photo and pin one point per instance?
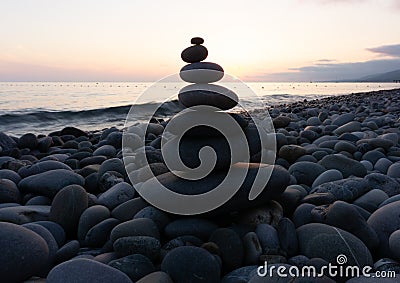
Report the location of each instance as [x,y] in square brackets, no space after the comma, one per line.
[68,201]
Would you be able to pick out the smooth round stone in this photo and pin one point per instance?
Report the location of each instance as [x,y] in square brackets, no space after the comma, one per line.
[367,164]
[144,245]
[99,234]
[28,141]
[92,160]
[68,251]
[191,264]
[383,143]
[86,270]
[281,121]
[197,40]
[277,183]
[24,214]
[113,164]
[306,172]
[39,200]
[291,152]
[343,215]
[327,176]
[268,237]
[382,182]
[385,221]
[201,73]
[156,277]
[160,218]
[55,229]
[343,119]
[373,156]
[67,207]
[51,182]
[345,165]
[313,121]
[371,200]
[345,146]
[346,190]
[197,227]
[89,218]
[116,195]
[135,266]
[10,175]
[194,54]
[251,248]
[353,126]
[394,244]
[125,211]
[23,253]
[327,242]
[105,150]
[135,227]
[394,170]
[108,180]
[290,199]
[208,94]
[9,192]
[287,237]
[302,214]
[382,165]
[230,246]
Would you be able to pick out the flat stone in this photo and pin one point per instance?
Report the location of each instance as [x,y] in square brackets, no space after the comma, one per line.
[160,218]
[24,214]
[10,175]
[201,72]
[191,264]
[382,182]
[99,234]
[23,253]
[291,152]
[9,192]
[208,94]
[68,251]
[50,183]
[125,211]
[343,119]
[86,270]
[156,277]
[353,126]
[371,200]
[89,218]
[394,170]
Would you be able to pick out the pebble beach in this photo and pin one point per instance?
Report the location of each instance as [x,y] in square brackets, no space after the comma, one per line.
[69,212]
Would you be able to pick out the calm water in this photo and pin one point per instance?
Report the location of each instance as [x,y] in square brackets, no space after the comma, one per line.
[45,107]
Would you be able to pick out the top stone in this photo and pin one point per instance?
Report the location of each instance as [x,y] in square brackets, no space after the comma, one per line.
[197,40]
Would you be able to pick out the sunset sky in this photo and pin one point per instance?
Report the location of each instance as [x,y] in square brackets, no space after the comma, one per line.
[125,40]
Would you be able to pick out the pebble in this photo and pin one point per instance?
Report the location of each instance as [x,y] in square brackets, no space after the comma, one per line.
[67,207]
[268,237]
[252,249]
[10,175]
[382,182]
[117,194]
[287,237]
[86,270]
[197,227]
[160,218]
[394,244]
[327,242]
[344,164]
[105,150]
[343,119]
[350,127]
[385,221]
[99,234]
[55,229]
[23,253]
[135,227]
[191,264]
[89,218]
[24,214]
[67,252]
[156,277]
[291,152]
[394,170]
[49,183]
[371,200]
[306,172]
[194,54]
[9,192]
[126,211]
[327,176]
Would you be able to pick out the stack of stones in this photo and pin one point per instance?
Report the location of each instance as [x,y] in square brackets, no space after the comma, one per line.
[201,92]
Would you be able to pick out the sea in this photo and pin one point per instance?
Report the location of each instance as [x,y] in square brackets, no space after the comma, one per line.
[44,107]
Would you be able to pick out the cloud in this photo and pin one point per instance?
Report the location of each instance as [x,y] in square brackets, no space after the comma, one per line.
[387,50]
[326,60]
[332,71]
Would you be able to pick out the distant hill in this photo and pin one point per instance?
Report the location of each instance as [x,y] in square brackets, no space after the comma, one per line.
[382,77]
